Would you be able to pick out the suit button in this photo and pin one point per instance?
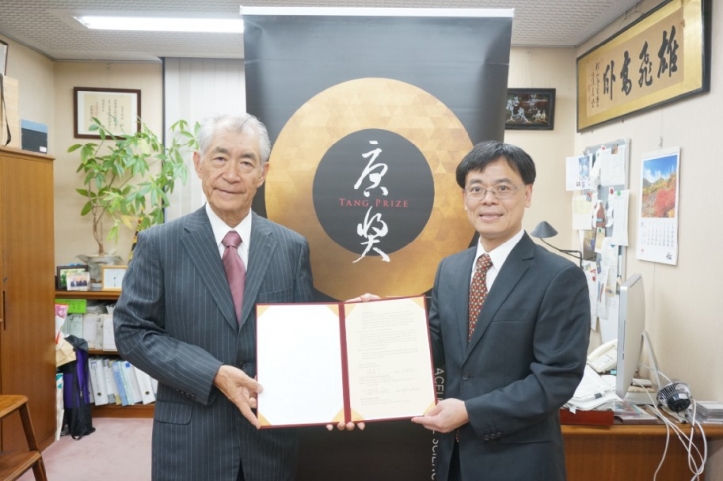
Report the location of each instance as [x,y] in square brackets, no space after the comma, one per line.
[487,437]
[465,375]
[242,366]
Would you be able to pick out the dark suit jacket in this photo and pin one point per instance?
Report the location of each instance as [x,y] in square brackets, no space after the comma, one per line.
[524,361]
[175,320]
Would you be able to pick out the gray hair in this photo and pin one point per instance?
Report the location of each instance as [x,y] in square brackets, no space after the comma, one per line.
[235,124]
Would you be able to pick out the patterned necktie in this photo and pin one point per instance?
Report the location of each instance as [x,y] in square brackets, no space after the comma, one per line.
[478,291]
[235,270]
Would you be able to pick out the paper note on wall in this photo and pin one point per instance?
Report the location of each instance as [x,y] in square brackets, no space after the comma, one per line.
[581,207]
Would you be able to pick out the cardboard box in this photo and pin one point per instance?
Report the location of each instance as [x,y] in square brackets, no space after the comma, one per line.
[12,99]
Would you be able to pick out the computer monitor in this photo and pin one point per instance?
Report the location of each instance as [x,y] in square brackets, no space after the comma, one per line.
[631,326]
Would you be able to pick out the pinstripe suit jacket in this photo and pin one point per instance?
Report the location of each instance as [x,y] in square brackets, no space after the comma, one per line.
[524,361]
[175,320]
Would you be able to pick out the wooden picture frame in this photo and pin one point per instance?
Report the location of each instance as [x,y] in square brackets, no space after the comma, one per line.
[530,109]
[112,277]
[119,110]
[4,48]
[662,57]
[62,272]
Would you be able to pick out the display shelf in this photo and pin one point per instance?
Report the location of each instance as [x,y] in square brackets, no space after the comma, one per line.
[108,410]
[91,295]
[116,411]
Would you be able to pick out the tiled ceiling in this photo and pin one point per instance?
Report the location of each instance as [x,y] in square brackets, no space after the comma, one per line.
[47,26]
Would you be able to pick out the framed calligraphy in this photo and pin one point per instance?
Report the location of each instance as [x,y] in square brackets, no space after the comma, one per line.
[662,57]
[119,111]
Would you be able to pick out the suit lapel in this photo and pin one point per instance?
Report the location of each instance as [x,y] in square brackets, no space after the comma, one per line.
[260,252]
[200,245]
[512,271]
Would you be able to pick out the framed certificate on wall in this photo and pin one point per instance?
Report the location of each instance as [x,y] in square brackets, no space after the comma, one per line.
[118,110]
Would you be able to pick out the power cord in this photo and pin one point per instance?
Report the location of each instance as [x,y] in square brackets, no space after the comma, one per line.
[696,459]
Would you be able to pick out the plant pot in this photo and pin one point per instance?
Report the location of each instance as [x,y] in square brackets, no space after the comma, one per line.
[95,263]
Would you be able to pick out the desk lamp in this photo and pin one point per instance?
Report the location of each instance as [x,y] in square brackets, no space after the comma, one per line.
[543,230]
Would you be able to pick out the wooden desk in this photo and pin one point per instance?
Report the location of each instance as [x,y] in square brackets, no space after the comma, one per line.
[402,451]
[622,452]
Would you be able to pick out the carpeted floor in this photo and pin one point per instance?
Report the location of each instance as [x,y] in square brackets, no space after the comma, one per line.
[118,450]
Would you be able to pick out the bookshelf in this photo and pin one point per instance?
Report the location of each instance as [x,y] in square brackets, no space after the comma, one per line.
[108,411]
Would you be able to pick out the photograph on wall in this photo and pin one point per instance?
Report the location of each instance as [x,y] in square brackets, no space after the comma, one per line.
[530,109]
[658,220]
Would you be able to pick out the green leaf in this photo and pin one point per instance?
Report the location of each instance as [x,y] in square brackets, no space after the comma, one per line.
[86,208]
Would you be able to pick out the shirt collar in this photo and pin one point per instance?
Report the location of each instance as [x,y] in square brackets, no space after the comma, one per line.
[220,228]
[499,255]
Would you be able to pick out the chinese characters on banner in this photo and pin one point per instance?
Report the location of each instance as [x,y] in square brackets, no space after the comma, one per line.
[373,227]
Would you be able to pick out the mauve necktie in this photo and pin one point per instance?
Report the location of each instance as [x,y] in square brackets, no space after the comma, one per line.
[235,270]
[478,291]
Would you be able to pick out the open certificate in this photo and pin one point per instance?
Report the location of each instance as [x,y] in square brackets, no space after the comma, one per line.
[323,363]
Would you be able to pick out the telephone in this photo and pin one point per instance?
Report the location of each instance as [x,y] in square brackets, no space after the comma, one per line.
[604,357]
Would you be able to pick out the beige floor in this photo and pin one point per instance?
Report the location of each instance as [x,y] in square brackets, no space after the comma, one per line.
[118,450]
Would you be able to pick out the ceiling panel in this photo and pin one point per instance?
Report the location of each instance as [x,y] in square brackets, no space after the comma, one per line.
[48,26]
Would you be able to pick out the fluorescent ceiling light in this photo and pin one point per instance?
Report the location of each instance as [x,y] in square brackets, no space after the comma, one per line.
[158,24]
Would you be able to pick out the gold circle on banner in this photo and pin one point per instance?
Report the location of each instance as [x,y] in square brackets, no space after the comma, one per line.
[331,115]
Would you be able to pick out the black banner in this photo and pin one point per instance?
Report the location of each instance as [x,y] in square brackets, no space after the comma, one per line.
[369,113]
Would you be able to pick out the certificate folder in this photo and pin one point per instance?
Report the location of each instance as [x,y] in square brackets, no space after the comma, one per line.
[324,363]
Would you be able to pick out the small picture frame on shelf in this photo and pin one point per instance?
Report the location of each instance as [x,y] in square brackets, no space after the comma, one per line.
[79,281]
[64,272]
[112,277]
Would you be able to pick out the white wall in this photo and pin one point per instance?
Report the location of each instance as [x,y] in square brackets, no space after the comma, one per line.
[73,233]
[683,303]
[548,68]
[34,73]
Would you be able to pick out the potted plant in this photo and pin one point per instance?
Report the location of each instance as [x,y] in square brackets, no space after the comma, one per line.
[127,180]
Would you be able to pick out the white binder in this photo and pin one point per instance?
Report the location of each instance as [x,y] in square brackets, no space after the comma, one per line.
[97,381]
[146,386]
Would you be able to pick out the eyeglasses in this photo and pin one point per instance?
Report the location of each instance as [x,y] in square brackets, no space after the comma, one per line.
[501,191]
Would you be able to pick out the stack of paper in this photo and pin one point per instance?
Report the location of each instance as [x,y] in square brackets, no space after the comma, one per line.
[709,412]
[592,392]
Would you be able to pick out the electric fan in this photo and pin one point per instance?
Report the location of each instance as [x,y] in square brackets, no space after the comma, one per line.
[676,396]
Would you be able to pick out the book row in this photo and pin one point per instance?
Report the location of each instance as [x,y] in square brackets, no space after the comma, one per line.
[95,328]
[116,381]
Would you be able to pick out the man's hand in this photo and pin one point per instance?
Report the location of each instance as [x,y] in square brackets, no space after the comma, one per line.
[240,389]
[445,417]
[365,298]
[346,427]
[350,426]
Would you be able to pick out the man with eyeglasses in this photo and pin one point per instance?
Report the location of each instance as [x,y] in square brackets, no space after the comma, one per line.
[512,330]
